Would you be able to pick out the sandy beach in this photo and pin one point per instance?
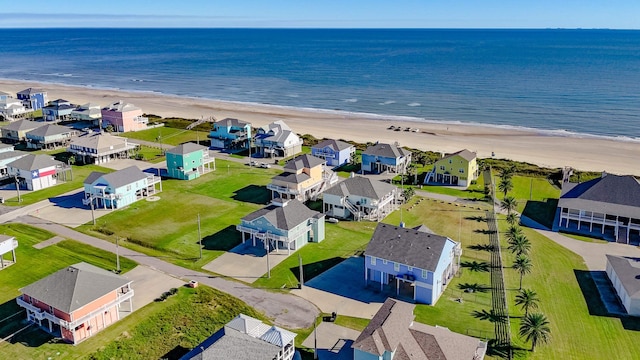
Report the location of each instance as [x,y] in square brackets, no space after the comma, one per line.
[544,149]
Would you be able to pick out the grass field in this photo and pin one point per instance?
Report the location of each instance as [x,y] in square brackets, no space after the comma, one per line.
[167,135]
[169,227]
[473,192]
[527,188]
[341,241]
[80,173]
[580,330]
[32,265]
[150,154]
[465,224]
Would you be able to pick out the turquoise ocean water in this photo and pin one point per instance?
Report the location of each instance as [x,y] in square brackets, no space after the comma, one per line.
[564,81]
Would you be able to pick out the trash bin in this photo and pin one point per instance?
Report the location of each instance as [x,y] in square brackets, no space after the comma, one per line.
[1,200]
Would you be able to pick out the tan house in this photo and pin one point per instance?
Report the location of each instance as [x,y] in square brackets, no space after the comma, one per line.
[100,148]
[304,178]
[17,130]
[457,169]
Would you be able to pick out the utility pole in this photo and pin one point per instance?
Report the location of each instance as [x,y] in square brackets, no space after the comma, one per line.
[199,236]
[17,188]
[301,270]
[159,177]
[267,248]
[93,216]
[117,254]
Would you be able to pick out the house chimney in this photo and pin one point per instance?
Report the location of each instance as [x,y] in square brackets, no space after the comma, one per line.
[352,175]
[604,174]
[279,202]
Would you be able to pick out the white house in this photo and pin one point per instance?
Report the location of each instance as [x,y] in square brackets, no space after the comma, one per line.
[624,274]
[361,198]
[277,139]
[35,172]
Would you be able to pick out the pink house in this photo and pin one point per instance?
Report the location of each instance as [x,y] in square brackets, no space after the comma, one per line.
[77,301]
[124,117]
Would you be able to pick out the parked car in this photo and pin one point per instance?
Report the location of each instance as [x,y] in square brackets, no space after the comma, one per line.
[265,166]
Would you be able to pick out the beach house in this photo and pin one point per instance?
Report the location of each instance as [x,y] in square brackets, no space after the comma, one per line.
[188,161]
[334,152]
[12,109]
[361,198]
[120,188]
[50,136]
[57,110]
[277,139]
[304,178]
[8,244]
[16,131]
[456,169]
[77,302]
[5,96]
[100,148]
[123,117]
[32,98]
[230,134]
[606,207]
[246,338]
[392,334]
[87,112]
[411,263]
[282,225]
[7,155]
[624,273]
[35,172]
[379,158]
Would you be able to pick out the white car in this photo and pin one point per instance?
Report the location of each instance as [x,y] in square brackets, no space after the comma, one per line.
[265,166]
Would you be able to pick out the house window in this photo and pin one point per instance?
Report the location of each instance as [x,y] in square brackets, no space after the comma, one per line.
[373,260]
[384,261]
[409,268]
[396,267]
[424,274]
[461,170]
[449,161]
[128,187]
[441,167]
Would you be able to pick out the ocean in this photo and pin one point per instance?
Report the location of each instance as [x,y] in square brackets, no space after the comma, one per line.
[572,82]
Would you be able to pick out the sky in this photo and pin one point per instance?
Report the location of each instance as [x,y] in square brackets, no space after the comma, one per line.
[614,14]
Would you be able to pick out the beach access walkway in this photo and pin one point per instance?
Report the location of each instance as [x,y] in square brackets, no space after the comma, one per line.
[286,310]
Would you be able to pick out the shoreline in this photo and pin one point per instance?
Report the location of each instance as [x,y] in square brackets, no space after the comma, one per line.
[548,148]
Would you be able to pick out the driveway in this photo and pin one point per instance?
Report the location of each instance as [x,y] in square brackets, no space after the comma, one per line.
[341,289]
[119,164]
[245,262]
[333,341]
[148,284]
[67,209]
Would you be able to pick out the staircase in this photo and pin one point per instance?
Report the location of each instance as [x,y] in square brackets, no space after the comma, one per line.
[329,178]
[201,121]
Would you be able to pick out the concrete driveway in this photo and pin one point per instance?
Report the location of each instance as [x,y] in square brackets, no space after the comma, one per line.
[148,284]
[333,341]
[119,164]
[341,289]
[245,262]
[67,209]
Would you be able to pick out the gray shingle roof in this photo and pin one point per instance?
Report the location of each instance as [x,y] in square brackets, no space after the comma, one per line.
[95,175]
[611,194]
[386,150]
[336,145]
[361,186]
[232,122]
[392,329]
[74,286]
[406,246]
[186,148]
[465,154]
[628,272]
[12,154]
[49,130]
[292,178]
[22,125]
[124,177]
[286,217]
[30,91]
[34,162]
[303,161]
[233,344]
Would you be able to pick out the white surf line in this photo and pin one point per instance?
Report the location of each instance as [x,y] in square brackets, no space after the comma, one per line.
[12,335]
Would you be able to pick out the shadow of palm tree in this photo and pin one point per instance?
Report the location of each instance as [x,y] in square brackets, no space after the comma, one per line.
[476,218]
[482,247]
[468,287]
[476,265]
[491,316]
[484,231]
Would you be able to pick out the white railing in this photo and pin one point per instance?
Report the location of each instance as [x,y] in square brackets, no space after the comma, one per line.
[283,189]
[258,234]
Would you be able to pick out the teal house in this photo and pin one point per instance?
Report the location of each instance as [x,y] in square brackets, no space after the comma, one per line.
[283,225]
[188,161]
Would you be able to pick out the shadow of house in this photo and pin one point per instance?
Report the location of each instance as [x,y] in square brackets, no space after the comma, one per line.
[594,301]
[224,240]
[542,212]
[13,323]
[314,269]
[73,201]
[176,353]
[253,194]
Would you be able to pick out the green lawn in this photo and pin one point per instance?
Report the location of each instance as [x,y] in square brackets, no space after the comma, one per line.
[351,322]
[341,241]
[80,173]
[150,154]
[473,192]
[465,224]
[527,188]
[169,227]
[167,135]
[570,301]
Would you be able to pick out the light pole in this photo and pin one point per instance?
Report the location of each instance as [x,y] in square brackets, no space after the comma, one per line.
[199,236]
[17,188]
[117,254]
[93,216]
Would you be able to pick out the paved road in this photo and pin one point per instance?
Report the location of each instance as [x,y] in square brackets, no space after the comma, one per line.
[285,309]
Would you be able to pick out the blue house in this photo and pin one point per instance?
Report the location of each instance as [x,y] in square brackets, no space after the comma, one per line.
[230,134]
[34,99]
[283,225]
[335,152]
[118,189]
[411,263]
[381,157]
[57,110]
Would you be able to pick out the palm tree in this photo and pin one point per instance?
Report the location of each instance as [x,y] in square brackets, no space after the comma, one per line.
[528,300]
[509,203]
[513,232]
[507,172]
[512,219]
[523,265]
[505,185]
[520,245]
[535,328]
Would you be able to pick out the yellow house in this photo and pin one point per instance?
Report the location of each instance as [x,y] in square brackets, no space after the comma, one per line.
[304,177]
[458,169]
